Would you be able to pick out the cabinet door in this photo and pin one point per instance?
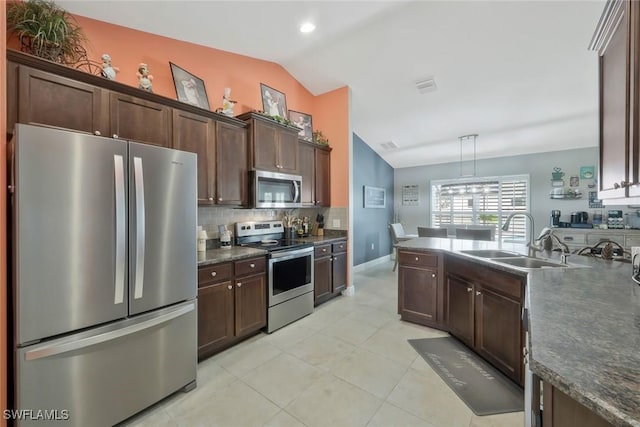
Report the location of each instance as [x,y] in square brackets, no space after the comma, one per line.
[287,151]
[250,304]
[215,316]
[306,161]
[322,272]
[460,313]
[418,291]
[265,152]
[231,170]
[196,134]
[323,177]
[339,276]
[614,114]
[498,330]
[139,120]
[47,99]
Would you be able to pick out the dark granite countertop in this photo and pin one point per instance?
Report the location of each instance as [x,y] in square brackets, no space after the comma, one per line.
[584,327]
[329,237]
[214,256]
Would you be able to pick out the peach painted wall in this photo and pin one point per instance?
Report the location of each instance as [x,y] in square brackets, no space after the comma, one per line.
[332,117]
[3,218]
[220,69]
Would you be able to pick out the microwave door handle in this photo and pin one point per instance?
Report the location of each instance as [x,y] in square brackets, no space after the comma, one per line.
[296,196]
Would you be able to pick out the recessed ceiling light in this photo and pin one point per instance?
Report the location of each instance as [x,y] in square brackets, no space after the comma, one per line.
[307,27]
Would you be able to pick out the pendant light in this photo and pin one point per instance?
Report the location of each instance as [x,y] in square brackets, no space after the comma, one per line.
[468,155]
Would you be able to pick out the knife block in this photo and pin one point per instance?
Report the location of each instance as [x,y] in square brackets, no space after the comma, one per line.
[317,231]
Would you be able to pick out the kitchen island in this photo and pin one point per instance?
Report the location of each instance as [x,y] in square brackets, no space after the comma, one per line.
[584,325]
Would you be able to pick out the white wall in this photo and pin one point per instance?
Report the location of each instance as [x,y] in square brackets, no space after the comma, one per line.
[538,166]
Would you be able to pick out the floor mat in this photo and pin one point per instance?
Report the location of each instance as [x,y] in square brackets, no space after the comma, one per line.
[482,387]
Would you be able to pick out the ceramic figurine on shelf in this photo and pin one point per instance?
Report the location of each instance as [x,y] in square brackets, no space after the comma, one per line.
[108,70]
[227,103]
[144,78]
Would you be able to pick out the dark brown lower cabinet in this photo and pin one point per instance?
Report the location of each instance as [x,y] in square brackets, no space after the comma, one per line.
[329,270]
[560,410]
[484,312]
[420,295]
[232,303]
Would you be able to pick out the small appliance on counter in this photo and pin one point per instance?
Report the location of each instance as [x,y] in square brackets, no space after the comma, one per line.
[555,218]
[225,237]
[633,219]
[202,239]
[615,219]
[580,220]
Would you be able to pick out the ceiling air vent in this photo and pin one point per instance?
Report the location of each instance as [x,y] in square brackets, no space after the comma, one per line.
[389,145]
[426,85]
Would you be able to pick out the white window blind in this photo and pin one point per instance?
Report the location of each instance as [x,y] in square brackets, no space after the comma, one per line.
[482,201]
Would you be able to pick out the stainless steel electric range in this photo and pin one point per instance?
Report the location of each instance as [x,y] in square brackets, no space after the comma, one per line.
[290,281]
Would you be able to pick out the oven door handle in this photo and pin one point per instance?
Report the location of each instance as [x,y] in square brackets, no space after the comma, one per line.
[296,253]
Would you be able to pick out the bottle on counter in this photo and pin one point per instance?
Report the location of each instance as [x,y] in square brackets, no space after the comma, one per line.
[202,240]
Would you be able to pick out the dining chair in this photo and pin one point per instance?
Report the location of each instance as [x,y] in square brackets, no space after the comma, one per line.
[432,232]
[397,233]
[471,234]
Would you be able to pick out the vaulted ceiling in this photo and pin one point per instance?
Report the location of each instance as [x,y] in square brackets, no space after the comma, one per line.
[517,73]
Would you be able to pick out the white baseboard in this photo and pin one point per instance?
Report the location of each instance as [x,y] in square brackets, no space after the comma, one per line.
[361,267]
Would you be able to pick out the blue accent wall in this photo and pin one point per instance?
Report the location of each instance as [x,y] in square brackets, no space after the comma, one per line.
[371,238]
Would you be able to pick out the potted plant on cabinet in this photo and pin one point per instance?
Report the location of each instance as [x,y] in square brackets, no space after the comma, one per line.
[46,30]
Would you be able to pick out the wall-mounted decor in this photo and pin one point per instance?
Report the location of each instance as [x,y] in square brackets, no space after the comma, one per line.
[274,102]
[303,121]
[587,172]
[374,197]
[574,181]
[411,195]
[593,200]
[189,88]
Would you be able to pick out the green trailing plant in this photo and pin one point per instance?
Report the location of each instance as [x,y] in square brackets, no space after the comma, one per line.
[319,138]
[278,119]
[46,30]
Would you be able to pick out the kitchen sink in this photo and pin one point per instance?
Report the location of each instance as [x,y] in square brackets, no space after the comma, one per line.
[527,262]
[492,253]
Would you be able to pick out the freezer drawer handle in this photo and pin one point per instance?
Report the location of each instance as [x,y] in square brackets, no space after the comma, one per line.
[140,215]
[120,260]
[54,349]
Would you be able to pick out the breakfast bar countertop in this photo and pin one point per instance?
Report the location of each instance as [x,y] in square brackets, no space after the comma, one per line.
[584,326]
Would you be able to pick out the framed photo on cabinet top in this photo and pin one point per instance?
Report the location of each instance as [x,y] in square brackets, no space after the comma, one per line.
[274,102]
[303,121]
[189,88]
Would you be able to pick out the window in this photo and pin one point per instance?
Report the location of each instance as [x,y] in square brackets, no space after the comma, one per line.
[482,201]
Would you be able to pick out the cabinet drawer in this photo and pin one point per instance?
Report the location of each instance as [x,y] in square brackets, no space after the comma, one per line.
[572,238]
[417,259]
[339,247]
[500,281]
[214,273]
[250,266]
[322,251]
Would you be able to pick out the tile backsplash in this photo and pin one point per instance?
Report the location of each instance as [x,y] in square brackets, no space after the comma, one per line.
[210,217]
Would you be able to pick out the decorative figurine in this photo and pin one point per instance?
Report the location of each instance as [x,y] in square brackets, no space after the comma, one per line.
[144,78]
[108,70]
[227,103]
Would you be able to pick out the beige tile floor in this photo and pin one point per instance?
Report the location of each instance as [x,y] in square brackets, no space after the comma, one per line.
[348,364]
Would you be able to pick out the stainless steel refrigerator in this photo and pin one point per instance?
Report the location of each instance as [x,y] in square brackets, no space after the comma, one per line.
[104,276]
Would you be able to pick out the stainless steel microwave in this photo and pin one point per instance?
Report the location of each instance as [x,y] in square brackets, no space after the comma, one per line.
[275,190]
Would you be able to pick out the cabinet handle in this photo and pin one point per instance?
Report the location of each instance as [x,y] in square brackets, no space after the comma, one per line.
[97,133]
[417,259]
[229,287]
[331,259]
[478,293]
[214,274]
[252,265]
[239,285]
[211,199]
[324,249]
[433,274]
[115,135]
[469,289]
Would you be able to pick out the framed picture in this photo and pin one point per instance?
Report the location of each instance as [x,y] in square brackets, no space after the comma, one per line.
[274,102]
[374,197]
[587,172]
[303,121]
[189,88]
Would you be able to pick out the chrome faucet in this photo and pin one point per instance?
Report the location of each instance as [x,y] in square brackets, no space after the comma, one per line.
[555,239]
[532,247]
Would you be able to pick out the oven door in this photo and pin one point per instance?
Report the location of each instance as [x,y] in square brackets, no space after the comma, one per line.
[290,274]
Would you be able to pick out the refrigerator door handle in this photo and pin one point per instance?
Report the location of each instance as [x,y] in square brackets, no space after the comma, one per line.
[55,349]
[140,223]
[120,261]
